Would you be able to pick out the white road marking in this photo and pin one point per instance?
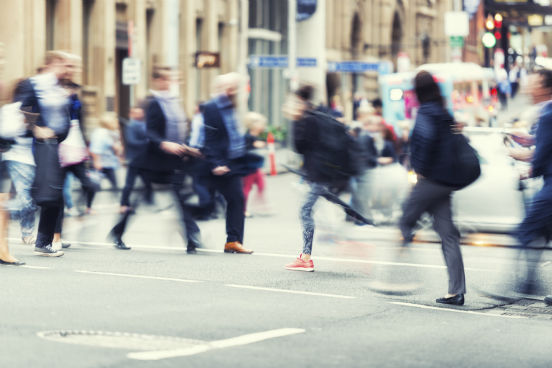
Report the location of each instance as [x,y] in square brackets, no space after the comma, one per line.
[36,267]
[218,344]
[137,276]
[278,255]
[290,291]
[421,306]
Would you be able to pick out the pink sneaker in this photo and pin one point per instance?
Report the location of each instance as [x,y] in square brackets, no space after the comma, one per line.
[301,265]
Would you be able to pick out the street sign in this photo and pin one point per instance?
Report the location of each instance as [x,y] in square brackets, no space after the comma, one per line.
[456,41]
[353,66]
[280,62]
[457,23]
[131,71]
[205,59]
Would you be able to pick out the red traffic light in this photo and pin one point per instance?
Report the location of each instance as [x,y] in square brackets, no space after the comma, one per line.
[498,35]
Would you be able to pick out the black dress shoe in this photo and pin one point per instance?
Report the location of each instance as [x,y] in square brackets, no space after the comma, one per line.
[16,263]
[548,300]
[453,300]
[119,244]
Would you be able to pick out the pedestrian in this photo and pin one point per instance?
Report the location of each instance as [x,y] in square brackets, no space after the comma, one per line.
[164,160]
[105,149]
[431,161]
[503,86]
[361,193]
[536,223]
[44,95]
[325,145]
[225,151]
[256,125]
[136,142]
[20,164]
[514,76]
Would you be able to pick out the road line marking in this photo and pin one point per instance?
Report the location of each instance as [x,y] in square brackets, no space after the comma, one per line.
[218,344]
[321,258]
[290,291]
[37,267]
[136,276]
[421,306]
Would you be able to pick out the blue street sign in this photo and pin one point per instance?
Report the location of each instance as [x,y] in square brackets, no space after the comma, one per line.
[305,9]
[275,62]
[353,66]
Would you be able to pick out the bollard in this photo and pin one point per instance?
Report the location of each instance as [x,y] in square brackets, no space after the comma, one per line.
[271,153]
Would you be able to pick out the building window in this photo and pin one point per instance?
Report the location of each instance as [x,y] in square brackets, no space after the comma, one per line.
[50,23]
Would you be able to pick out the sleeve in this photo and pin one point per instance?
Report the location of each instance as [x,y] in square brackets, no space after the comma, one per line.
[154,123]
[423,143]
[213,150]
[389,151]
[29,100]
[97,142]
[302,133]
[543,151]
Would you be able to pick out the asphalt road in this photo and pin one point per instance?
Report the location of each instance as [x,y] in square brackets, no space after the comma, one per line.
[156,306]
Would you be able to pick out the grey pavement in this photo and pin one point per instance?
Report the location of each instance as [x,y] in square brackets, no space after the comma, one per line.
[367,304]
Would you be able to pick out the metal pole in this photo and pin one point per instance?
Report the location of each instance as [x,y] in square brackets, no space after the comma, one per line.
[242,56]
[292,44]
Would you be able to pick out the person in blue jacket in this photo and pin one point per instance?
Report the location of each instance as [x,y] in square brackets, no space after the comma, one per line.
[538,219]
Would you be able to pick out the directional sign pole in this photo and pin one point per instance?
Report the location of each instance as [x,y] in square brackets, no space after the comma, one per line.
[292,52]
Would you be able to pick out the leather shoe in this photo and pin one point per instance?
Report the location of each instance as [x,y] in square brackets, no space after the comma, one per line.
[236,247]
[119,244]
[15,263]
[548,300]
[453,300]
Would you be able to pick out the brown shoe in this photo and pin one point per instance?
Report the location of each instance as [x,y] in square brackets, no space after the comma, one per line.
[236,247]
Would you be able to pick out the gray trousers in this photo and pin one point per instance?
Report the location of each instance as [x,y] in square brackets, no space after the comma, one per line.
[435,199]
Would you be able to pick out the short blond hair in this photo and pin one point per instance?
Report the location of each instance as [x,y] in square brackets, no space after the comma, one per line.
[254,120]
[109,121]
[55,55]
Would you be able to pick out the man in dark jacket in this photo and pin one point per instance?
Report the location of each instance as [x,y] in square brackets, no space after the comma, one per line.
[224,150]
[164,160]
[538,220]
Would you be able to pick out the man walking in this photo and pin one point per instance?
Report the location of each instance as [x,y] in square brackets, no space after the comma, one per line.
[225,151]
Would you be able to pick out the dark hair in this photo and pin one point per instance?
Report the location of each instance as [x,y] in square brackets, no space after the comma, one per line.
[160,72]
[427,89]
[305,92]
[377,103]
[546,76]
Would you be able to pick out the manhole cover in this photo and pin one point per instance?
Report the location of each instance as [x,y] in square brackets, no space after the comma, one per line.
[119,340]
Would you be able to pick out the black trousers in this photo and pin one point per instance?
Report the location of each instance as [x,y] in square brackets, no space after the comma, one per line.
[230,186]
[49,220]
[176,180]
[132,174]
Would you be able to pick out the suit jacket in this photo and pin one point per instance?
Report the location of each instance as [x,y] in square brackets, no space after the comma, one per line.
[217,144]
[542,160]
[153,157]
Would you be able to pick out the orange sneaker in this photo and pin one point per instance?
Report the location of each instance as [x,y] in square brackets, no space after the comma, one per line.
[301,265]
[236,247]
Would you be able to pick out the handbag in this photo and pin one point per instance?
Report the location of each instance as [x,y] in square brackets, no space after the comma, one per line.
[12,121]
[73,150]
[465,167]
[47,187]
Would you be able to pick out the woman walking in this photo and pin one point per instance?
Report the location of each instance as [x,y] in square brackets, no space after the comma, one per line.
[432,163]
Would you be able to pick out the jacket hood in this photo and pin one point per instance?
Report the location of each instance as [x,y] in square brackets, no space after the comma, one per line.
[434,109]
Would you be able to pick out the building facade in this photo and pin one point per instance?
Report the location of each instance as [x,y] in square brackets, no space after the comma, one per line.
[173,32]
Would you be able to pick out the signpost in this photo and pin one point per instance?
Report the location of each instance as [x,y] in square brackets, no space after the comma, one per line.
[353,66]
[280,62]
[131,71]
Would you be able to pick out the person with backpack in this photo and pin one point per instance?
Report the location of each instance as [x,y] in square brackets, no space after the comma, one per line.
[432,157]
[327,150]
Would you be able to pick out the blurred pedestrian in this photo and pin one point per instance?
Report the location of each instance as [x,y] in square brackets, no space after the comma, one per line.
[136,142]
[504,88]
[21,168]
[378,106]
[164,160]
[326,147]
[256,125]
[431,161]
[44,95]
[514,76]
[225,151]
[538,219]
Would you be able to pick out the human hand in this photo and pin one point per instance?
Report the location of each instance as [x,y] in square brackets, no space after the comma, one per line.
[173,148]
[259,144]
[221,170]
[43,132]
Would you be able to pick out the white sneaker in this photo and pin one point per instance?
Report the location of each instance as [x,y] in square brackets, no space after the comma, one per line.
[57,245]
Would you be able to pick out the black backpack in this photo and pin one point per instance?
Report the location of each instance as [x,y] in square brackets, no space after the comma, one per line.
[336,153]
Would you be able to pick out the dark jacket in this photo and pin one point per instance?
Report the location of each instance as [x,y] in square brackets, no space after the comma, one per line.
[542,159]
[367,153]
[136,139]
[429,154]
[154,158]
[217,141]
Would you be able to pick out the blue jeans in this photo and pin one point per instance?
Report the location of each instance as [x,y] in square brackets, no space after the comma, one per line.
[22,176]
[67,189]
